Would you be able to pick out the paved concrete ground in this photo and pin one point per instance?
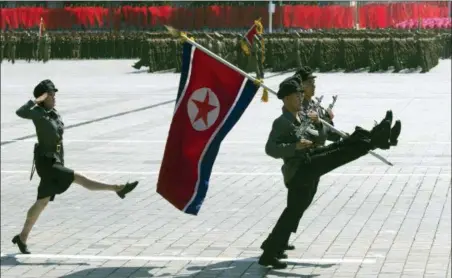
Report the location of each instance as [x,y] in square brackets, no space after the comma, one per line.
[368,220]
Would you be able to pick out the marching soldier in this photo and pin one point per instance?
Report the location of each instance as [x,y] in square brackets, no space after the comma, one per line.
[307,78]
[77,46]
[28,48]
[40,50]
[242,58]
[145,55]
[178,54]
[309,106]
[152,55]
[49,158]
[258,53]
[210,42]
[218,47]
[47,47]
[297,51]
[305,163]
[235,50]
[12,48]
[2,46]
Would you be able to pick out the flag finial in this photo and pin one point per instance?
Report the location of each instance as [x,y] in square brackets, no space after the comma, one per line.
[178,34]
[259,26]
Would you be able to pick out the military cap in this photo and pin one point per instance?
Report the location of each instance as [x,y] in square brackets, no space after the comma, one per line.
[305,73]
[289,86]
[45,86]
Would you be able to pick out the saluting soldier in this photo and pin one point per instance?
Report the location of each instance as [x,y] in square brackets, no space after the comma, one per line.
[49,158]
[304,163]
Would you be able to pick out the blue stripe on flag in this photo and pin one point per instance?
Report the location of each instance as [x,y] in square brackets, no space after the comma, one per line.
[249,91]
[186,60]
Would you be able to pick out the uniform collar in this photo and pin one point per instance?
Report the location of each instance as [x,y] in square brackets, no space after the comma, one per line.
[52,111]
[288,115]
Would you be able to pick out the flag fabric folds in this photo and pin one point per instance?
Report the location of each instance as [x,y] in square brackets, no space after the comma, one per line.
[210,101]
[248,39]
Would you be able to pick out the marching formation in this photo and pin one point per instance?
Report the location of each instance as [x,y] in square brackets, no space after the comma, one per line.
[156,51]
[297,137]
[375,50]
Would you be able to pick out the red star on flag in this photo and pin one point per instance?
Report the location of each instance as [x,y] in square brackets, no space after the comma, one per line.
[204,108]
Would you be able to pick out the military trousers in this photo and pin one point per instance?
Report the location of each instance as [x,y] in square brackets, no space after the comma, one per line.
[303,186]
[311,186]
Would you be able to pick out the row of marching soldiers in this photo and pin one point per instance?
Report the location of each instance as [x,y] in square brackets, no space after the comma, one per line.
[156,52]
[24,45]
[28,46]
[151,48]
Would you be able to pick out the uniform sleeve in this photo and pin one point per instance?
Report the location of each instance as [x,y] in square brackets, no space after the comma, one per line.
[323,131]
[29,111]
[274,147]
[332,136]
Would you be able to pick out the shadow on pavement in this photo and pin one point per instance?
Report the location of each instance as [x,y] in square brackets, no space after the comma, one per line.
[11,260]
[244,268]
[129,272]
[236,268]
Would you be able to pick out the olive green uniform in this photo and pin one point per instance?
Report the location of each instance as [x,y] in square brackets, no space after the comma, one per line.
[48,152]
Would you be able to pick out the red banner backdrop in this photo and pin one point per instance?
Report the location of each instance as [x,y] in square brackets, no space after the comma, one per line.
[296,16]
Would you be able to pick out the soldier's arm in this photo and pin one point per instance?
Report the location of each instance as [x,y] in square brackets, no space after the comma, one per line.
[29,111]
[322,130]
[274,147]
[331,135]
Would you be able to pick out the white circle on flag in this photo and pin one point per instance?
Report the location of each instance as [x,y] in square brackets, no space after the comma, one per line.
[203,108]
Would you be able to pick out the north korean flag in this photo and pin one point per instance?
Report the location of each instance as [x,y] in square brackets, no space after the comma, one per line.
[250,35]
[211,99]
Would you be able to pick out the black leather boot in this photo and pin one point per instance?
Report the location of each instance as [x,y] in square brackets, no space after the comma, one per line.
[137,65]
[289,247]
[380,135]
[395,132]
[270,260]
[281,255]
